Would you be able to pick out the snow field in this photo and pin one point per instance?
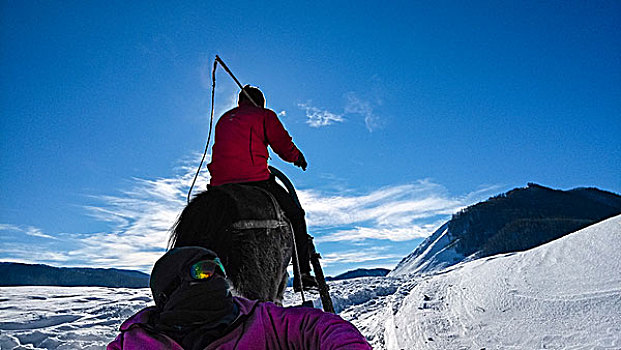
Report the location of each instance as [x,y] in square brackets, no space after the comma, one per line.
[562,295]
[65,317]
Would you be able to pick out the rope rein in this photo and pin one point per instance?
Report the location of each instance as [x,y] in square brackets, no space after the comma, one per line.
[213,90]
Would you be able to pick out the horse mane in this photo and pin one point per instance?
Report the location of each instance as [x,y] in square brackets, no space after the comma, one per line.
[247,229]
[204,222]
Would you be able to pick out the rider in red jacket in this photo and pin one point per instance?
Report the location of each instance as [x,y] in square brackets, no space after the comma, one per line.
[240,155]
[240,149]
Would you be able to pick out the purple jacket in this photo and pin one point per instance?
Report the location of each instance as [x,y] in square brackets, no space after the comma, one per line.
[260,325]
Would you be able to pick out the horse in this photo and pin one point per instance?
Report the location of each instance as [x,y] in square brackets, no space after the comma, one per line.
[248,230]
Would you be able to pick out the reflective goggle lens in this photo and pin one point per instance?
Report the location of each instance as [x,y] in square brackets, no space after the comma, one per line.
[204,269]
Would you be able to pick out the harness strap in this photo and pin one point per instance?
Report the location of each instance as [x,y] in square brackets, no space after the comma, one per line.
[249,224]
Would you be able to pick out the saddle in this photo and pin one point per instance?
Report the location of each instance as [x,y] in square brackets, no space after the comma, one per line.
[253,207]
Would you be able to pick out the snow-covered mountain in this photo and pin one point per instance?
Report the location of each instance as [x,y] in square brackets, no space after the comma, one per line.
[434,253]
[518,220]
[562,295]
[565,294]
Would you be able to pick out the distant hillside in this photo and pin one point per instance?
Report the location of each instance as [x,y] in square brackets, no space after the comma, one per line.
[518,220]
[16,274]
[359,273]
[352,274]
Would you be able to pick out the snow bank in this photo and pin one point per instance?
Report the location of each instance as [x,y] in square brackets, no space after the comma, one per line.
[565,294]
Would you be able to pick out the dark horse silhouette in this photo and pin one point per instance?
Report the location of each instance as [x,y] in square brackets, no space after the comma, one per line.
[245,226]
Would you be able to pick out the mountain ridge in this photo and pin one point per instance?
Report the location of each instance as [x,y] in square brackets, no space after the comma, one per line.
[361,272]
[20,274]
[520,219]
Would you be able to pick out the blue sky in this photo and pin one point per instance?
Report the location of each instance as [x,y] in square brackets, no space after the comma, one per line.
[405,111]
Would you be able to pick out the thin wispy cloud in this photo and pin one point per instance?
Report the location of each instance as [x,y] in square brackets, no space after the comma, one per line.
[35,232]
[394,204]
[32,253]
[27,230]
[395,213]
[10,228]
[395,234]
[355,105]
[144,215]
[358,256]
[317,118]
[141,216]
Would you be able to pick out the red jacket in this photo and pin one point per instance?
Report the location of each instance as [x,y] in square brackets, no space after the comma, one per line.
[240,148]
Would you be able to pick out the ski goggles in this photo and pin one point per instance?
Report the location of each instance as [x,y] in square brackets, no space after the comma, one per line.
[205,269]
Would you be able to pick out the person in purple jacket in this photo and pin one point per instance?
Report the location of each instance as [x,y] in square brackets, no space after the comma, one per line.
[194,309]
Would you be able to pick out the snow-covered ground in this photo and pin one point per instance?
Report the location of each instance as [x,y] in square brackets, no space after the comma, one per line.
[563,295]
[65,317]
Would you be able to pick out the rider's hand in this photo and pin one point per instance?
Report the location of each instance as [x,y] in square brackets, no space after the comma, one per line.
[301,162]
